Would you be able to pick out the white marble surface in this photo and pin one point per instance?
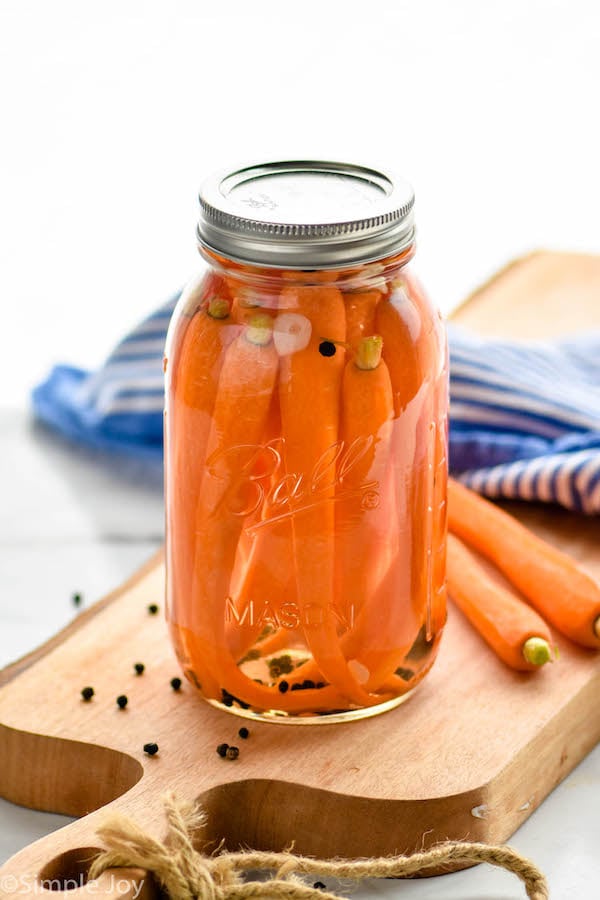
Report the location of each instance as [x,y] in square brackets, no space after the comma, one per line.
[113,113]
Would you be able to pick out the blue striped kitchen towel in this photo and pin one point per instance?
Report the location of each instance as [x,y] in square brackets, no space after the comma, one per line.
[524,415]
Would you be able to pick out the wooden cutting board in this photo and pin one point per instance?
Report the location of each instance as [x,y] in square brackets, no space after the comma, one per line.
[469,756]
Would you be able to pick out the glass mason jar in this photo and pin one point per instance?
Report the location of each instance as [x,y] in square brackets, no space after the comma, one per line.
[306,448]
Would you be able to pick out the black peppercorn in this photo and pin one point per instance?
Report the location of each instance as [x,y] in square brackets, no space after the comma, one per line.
[327,348]
[283,686]
[139,668]
[176,683]
[87,693]
[319,886]
[152,608]
[121,701]
[233,752]
[151,749]
[222,750]
[243,733]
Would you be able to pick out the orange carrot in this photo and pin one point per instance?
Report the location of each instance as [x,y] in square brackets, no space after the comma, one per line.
[410,353]
[360,315]
[365,530]
[385,630]
[269,582]
[187,424]
[514,631]
[552,582]
[405,343]
[266,577]
[309,391]
[440,504]
[246,384]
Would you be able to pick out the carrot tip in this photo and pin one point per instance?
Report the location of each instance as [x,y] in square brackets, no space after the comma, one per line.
[260,329]
[368,354]
[219,308]
[537,651]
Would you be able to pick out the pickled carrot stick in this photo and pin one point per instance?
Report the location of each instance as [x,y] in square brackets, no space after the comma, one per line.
[410,327]
[360,315]
[363,522]
[400,324]
[266,575]
[514,631]
[552,582]
[246,383]
[385,630]
[310,381]
[375,649]
[440,504]
[269,582]
[191,401]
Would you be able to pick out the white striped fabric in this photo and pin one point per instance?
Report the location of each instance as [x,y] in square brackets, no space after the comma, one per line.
[524,416]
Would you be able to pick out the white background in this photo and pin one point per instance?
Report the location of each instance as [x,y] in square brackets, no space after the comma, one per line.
[112,113]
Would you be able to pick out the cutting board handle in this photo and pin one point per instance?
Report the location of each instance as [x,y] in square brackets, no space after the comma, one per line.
[56,866]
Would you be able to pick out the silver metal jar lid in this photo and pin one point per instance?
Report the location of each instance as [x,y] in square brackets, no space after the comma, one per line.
[306,214]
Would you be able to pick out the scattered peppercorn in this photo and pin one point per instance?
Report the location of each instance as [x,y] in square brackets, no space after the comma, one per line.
[76,599]
[151,749]
[327,348]
[319,886]
[176,683]
[232,752]
[243,733]
[222,750]
[307,684]
[121,701]
[229,699]
[87,693]
[283,686]
[139,668]
[152,608]
[296,687]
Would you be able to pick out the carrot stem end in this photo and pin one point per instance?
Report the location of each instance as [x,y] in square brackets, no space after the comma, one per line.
[368,353]
[537,651]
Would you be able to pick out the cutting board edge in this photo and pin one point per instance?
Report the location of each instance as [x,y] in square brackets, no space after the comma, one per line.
[498,275]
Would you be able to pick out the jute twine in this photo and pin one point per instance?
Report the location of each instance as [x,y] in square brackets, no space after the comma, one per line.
[186,873]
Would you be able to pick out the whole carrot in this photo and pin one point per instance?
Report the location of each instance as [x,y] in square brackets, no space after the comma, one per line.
[514,631]
[406,352]
[408,328]
[268,580]
[187,425]
[372,569]
[246,384]
[365,533]
[360,315]
[553,583]
[309,392]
